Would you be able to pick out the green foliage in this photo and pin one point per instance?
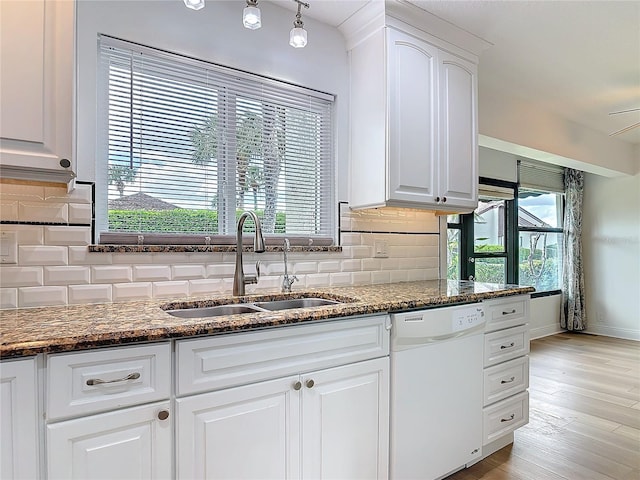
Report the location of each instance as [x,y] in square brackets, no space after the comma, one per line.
[179,220]
[119,175]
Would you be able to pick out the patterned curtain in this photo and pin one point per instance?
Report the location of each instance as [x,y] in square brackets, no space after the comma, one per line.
[573,315]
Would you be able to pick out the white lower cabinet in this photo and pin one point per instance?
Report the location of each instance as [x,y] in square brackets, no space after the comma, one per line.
[134,443]
[506,371]
[325,423]
[19,445]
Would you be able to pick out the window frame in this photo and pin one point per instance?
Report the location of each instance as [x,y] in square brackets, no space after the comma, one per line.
[327,206]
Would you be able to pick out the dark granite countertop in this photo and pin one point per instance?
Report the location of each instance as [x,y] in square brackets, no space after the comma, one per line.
[31,331]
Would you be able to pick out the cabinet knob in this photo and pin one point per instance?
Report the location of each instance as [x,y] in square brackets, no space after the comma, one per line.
[437,199]
[163,414]
[65,163]
[310,383]
[444,199]
[297,385]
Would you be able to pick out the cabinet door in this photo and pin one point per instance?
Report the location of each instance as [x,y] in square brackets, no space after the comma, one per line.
[412,130]
[248,432]
[346,421]
[36,52]
[458,158]
[18,420]
[127,444]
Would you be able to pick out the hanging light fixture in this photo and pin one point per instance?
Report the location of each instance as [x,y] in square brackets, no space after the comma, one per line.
[298,35]
[251,15]
[194,4]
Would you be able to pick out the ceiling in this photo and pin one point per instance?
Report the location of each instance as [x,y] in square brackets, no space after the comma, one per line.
[580,59]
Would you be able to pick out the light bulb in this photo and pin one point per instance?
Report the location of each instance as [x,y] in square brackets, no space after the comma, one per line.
[298,37]
[194,4]
[251,18]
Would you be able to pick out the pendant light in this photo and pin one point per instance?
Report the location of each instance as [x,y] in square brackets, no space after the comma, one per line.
[251,15]
[298,35]
[194,4]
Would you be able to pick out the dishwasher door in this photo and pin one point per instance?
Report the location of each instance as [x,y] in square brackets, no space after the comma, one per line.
[436,393]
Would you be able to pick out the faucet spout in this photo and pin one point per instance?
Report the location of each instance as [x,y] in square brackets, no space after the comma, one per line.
[239,278]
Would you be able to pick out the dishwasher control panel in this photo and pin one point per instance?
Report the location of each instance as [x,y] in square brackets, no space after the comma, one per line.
[466,318]
[435,324]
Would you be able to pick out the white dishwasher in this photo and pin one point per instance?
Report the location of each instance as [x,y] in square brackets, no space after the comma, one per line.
[436,391]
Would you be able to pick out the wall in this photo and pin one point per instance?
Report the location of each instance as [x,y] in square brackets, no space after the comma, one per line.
[611,250]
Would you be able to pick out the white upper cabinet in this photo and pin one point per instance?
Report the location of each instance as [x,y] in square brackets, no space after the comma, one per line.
[413,124]
[36,73]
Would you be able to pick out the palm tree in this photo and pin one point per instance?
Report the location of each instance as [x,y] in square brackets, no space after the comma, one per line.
[121,174]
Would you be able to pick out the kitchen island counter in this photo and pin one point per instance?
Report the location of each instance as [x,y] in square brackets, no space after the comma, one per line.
[31,331]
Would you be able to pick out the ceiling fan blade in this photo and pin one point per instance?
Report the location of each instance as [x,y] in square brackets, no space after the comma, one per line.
[624,111]
[626,129]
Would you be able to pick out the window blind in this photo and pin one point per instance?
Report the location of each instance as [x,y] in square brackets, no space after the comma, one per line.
[540,176]
[188,145]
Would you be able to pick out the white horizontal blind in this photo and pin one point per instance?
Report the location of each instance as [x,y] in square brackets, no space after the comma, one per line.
[540,176]
[190,145]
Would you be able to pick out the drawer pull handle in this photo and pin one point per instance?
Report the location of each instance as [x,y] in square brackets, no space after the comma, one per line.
[502,347]
[99,381]
[508,381]
[297,385]
[511,417]
[509,313]
[163,414]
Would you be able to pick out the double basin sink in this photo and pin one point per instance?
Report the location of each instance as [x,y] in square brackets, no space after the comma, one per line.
[249,307]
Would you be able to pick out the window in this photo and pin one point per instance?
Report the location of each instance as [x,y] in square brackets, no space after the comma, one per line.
[509,238]
[188,145]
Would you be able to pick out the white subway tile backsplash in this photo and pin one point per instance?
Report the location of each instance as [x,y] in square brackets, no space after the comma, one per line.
[380,277]
[123,292]
[8,298]
[66,275]
[9,211]
[131,258]
[213,285]
[15,191]
[41,296]
[188,272]
[220,270]
[351,238]
[80,213]
[171,289]
[89,294]
[317,280]
[63,235]
[302,268]
[21,276]
[358,251]
[351,265]
[43,255]
[266,283]
[80,194]
[398,276]
[111,274]
[275,268]
[361,278]
[43,212]
[82,256]
[155,273]
[371,264]
[329,266]
[338,279]
[27,234]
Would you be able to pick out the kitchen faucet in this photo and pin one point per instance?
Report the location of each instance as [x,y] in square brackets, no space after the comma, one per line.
[239,278]
[287,281]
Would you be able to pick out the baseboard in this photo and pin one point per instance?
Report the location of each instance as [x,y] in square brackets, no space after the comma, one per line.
[496,445]
[617,332]
[544,331]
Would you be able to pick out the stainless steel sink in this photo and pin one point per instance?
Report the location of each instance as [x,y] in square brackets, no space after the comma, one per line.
[216,311]
[185,311]
[295,303]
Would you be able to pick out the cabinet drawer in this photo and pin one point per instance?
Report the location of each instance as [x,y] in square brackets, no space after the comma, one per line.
[229,360]
[506,379]
[506,416]
[505,345]
[505,313]
[99,380]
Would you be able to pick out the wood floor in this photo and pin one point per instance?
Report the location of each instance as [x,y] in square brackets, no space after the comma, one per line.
[584,414]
